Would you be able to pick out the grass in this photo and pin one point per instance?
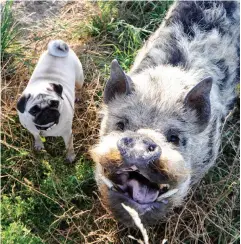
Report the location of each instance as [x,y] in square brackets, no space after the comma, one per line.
[9,29]
[45,200]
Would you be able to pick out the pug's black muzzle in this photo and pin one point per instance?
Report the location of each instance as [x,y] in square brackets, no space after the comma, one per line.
[46,118]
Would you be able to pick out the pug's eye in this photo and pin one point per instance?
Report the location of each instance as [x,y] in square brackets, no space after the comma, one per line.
[120,126]
[54,104]
[34,110]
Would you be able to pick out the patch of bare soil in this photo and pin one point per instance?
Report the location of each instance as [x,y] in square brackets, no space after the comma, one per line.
[31,12]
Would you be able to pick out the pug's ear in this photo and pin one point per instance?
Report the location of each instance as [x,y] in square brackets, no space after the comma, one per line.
[21,104]
[118,84]
[57,88]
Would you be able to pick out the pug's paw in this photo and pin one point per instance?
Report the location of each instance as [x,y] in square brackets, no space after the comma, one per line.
[38,146]
[70,157]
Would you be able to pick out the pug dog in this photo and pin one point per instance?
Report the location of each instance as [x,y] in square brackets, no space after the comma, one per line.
[46,106]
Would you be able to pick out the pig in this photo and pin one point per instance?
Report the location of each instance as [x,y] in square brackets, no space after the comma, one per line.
[161,123]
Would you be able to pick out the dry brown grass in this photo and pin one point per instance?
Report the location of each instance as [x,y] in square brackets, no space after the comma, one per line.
[40,30]
[207,216]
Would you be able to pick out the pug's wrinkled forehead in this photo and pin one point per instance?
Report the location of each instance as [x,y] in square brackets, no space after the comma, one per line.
[44,100]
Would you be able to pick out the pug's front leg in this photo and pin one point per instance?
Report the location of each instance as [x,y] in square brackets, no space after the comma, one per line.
[38,144]
[68,140]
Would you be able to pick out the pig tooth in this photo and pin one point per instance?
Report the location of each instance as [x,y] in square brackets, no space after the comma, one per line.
[134,168]
[167,194]
[108,182]
[164,185]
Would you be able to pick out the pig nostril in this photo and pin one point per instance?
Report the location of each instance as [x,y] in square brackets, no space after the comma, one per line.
[151,148]
[127,141]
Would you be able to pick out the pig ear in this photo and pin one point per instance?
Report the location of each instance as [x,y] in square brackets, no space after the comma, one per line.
[21,104]
[118,84]
[198,99]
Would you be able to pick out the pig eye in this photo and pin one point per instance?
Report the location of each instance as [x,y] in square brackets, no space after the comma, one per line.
[120,126]
[173,137]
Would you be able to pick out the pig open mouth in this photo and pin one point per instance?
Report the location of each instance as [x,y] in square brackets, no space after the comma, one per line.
[134,185]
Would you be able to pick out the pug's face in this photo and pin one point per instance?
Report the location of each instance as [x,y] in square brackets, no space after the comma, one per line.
[42,108]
